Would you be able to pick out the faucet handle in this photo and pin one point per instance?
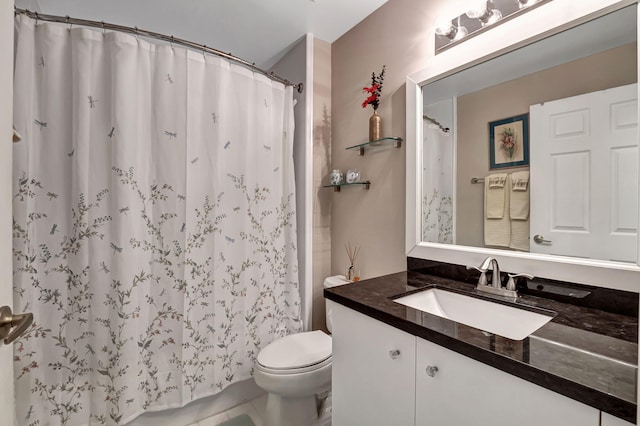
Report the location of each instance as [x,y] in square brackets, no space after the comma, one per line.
[483,270]
[511,283]
[483,274]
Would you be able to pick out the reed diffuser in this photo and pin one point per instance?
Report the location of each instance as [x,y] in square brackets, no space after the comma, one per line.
[353,273]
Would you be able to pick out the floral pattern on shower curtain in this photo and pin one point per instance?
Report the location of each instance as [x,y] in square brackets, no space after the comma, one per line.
[154,224]
[437,185]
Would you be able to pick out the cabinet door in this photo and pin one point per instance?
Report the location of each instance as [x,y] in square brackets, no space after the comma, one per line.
[371,383]
[465,392]
[609,420]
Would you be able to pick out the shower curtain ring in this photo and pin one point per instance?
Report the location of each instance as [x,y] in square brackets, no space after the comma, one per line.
[37,17]
[171,42]
[204,46]
[67,21]
[104,30]
[136,29]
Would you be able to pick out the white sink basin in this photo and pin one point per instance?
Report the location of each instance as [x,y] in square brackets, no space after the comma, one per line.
[506,321]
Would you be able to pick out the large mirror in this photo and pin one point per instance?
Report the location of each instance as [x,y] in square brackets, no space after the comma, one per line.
[531,153]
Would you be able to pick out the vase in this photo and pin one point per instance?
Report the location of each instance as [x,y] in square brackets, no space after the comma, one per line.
[375,126]
[352,273]
[336,177]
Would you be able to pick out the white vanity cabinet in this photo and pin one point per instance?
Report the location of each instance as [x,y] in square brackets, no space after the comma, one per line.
[373,372]
[609,420]
[427,385]
[454,390]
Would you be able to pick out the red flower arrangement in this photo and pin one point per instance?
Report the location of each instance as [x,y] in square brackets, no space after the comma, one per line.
[375,90]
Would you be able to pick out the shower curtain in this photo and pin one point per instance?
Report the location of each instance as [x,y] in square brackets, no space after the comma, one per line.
[154,224]
[437,202]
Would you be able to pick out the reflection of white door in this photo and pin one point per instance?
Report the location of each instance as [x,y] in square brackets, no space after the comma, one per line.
[6,291]
[584,174]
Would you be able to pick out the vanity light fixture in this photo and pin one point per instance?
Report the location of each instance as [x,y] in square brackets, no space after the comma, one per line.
[481,15]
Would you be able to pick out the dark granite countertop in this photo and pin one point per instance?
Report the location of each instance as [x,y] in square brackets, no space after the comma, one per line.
[587,354]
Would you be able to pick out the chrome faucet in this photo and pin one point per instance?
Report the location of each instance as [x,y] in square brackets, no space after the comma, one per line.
[491,262]
[488,263]
[496,283]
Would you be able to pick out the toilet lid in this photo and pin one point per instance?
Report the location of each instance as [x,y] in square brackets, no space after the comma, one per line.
[296,351]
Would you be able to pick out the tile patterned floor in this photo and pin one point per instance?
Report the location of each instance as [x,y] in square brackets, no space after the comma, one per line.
[254,409]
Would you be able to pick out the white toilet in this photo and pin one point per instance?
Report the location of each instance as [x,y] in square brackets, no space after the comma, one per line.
[295,369]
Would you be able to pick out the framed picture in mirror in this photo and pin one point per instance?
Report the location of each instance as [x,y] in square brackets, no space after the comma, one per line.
[509,142]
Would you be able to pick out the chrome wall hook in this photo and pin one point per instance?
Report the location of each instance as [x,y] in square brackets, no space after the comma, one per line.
[9,320]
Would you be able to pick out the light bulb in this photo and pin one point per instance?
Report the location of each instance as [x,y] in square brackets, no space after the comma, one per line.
[481,11]
[494,16]
[444,28]
[477,9]
[448,29]
[460,33]
[526,3]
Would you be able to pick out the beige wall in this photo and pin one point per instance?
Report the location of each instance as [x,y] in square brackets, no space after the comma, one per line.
[321,167]
[400,35]
[477,109]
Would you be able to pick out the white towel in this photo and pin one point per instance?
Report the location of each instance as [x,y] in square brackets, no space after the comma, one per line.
[494,195]
[519,235]
[497,231]
[519,201]
[497,180]
[519,211]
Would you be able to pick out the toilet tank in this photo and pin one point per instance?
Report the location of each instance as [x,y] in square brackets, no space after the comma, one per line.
[329,282]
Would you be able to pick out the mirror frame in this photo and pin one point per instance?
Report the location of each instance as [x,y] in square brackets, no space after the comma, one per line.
[552,18]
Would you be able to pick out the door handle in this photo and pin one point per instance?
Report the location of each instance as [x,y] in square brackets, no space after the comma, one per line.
[539,239]
[8,321]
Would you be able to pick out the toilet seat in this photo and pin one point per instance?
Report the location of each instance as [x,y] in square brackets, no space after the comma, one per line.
[296,353]
[294,370]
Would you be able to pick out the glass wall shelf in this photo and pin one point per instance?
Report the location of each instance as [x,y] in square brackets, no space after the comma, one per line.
[360,147]
[336,188]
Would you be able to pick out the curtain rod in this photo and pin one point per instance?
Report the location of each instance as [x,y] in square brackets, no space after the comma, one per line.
[146,33]
[437,123]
